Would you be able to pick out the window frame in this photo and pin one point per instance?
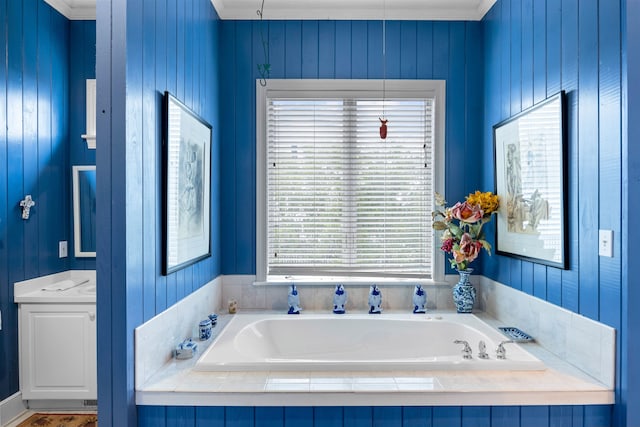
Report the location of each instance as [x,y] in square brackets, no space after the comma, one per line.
[321,88]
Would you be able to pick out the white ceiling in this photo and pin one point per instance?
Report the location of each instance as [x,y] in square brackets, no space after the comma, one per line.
[320,9]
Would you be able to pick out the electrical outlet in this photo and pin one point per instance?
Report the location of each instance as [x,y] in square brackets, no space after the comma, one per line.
[605,245]
[62,249]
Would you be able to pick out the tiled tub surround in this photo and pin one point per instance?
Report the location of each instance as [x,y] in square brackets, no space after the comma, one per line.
[161,380]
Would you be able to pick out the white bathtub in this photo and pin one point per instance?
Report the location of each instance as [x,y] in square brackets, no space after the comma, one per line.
[355,342]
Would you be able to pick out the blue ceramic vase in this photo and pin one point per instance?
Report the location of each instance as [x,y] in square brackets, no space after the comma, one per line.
[464,294]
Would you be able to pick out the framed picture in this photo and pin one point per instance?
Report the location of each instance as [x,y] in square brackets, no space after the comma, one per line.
[186,218]
[530,177]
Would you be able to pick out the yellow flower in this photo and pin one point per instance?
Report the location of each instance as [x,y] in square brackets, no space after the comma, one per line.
[488,201]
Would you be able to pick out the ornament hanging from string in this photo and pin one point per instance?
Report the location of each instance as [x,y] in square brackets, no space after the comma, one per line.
[383,119]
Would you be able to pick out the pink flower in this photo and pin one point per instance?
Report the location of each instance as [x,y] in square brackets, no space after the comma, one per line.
[447,245]
[468,250]
[465,212]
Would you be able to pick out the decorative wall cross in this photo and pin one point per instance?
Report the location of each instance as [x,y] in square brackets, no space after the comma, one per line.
[27,204]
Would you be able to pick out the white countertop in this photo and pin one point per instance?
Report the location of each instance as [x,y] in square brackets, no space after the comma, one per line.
[560,384]
[72,286]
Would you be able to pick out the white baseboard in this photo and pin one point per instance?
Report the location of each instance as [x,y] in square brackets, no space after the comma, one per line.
[11,407]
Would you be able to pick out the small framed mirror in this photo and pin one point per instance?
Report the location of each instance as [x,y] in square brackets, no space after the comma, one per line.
[84,211]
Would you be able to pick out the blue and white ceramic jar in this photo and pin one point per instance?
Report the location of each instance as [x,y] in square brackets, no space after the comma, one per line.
[205,330]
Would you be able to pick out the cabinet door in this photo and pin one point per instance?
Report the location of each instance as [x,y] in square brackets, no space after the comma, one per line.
[58,351]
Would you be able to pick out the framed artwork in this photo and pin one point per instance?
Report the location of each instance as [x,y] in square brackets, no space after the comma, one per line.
[186,171]
[530,177]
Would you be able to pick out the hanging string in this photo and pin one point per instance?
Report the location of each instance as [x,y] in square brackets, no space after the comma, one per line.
[265,68]
[383,119]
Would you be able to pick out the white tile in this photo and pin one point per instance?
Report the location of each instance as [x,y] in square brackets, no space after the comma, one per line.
[329,387]
[287,387]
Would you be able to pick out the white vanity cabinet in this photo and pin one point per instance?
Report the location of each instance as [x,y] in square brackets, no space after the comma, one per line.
[57,336]
[58,351]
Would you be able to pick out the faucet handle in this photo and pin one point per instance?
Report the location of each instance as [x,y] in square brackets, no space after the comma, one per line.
[501,352]
[466,351]
[482,350]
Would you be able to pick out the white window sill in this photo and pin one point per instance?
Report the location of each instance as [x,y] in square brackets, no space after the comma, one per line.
[351,281]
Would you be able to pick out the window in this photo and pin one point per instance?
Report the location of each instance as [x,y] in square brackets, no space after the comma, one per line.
[335,200]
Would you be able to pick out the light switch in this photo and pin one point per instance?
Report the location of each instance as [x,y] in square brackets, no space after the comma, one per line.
[62,249]
[605,245]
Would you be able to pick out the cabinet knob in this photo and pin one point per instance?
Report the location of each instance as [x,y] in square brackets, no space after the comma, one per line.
[92,316]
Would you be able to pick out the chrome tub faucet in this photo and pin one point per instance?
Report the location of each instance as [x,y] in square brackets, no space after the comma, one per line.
[466,351]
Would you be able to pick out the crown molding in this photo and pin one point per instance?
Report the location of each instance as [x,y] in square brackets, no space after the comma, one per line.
[468,10]
[74,9]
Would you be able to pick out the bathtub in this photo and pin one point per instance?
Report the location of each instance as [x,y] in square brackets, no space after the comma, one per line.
[358,342]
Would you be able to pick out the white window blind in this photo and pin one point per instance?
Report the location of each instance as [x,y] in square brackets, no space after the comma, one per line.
[342,202]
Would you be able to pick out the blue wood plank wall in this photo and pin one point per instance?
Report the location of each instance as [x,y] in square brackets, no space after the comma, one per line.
[631,203]
[144,47]
[82,66]
[344,50]
[533,49]
[34,157]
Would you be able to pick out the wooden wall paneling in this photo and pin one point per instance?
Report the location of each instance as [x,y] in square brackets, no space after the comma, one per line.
[246,146]
[610,176]
[161,55]
[445,416]
[374,55]
[505,60]
[588,157]
[50,206]
[14,142]
[135,260]
[458,184]
[505,416]
[424,49]
[393,49]
[228,49]
[276,39]
[531,416]
[293,49]
[358,416]
[239,416]
[328,416]
[269,416]
[181,416]
[569,73]
[343,50]
[409,50]
[359,60]
[326,49]
[417,416]
[150,416]
[207,416]
[476,416]
[298,416]
[539,51]
[8,377]
[516,74]
[150,152]
[310,50]
[384,416]
[554,44]
[526,20]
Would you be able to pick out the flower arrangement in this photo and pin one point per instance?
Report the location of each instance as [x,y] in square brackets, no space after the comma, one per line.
[461,226]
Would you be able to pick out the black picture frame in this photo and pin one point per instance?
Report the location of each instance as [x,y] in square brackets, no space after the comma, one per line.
[530,177]
[186,181]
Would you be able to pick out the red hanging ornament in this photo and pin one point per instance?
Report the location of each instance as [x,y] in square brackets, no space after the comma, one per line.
[383,128]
